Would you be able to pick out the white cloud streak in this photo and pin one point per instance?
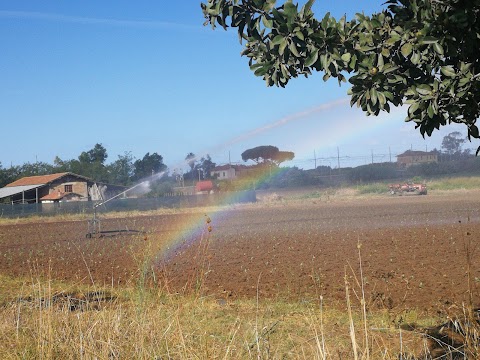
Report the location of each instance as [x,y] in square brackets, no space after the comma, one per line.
[51,17]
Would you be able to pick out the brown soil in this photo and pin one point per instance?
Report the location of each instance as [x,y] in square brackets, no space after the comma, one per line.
[413,251]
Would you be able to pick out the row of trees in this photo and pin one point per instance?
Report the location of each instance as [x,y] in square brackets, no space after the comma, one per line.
[126,170]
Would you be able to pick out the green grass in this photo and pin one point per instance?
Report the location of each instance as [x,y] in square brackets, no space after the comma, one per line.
[454,183]
[438,184]
[373,188]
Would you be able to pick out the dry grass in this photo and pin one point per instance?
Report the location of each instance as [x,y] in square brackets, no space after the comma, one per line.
[139,323]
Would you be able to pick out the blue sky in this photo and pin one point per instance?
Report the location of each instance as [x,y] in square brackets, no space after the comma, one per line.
[148,77]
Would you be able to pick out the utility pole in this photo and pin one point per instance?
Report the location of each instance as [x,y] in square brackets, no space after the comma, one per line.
[372,156]
[390,153]
[315,158]
[338,157]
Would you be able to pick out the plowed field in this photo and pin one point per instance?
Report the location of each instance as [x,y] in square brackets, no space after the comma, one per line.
[413,250]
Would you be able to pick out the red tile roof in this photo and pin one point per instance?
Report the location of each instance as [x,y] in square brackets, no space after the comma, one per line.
[222,167]
[416,153]
[236,167]
[56,195]
[41,179]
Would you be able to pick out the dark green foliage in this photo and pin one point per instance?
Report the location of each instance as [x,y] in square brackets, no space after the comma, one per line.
[452,143]
[466,166]
[267,154]
[423,53]
[122,170]
[161,187]
[260,154]
[8,175]
[373,172]
[205,166]
[191,160]
[96,155]
[290,177]
[149,165]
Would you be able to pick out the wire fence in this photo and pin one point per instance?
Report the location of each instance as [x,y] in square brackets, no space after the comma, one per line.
[338,158]
[125,205]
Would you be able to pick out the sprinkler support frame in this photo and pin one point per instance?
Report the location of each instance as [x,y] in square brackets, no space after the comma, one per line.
[94,224]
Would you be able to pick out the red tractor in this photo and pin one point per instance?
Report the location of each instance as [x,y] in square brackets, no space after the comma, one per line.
[408,188]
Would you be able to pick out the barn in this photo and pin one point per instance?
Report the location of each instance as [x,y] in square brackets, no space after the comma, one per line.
[57,187]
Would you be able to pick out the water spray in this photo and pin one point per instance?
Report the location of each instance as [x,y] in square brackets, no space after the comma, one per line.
[94,224]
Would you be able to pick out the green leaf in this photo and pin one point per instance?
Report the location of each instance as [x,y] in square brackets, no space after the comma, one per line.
[438,48]
[380,62]
[282,46]
[393,39]
[293,49]
[415,59]
[388,68]
[388,95]
[277,40]
[473,131]
[353,62]
[268,23]
[428,40]
[406,49]
[261,70]
[373,96]
[430,111]
[299,35]
[290,10]
[381,98]
[463,81]
[424,89]
[312,58]
[412,108]
[448,71]
[346,57]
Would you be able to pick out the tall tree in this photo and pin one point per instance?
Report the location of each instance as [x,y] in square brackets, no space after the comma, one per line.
[121,171]
[191,160]
[97,154]
[267,154]
[423,53]
[283,156]
[205,166]
[91,163]
[37,168]
[147,166]
[8,175]
[452,143]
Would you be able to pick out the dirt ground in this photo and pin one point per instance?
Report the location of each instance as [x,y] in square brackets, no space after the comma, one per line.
[414,251]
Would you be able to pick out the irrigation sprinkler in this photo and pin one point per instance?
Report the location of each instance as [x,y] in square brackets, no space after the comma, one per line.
[95,224]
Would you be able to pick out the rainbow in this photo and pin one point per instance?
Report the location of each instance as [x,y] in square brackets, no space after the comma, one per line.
[346,127]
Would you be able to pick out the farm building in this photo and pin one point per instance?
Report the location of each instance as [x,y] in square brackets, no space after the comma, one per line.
[230,172]
[56,188]
[224,172]
[410,157]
